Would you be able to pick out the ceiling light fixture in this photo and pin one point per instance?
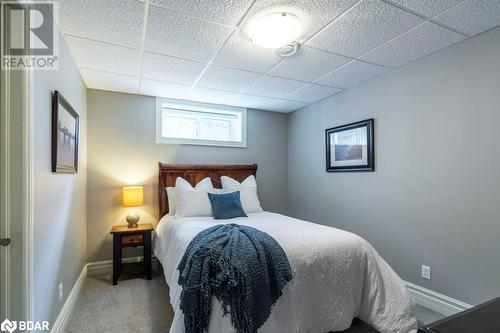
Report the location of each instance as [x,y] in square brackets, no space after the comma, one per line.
[275,30]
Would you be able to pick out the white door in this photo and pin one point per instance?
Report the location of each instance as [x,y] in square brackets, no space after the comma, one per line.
[14,187]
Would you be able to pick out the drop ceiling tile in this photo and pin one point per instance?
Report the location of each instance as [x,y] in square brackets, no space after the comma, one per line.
[366,26]
[427,8]
[104,57]
[109,81]
[177,34]
[253,102]
[308,64]
[217,77]
[225,12]
[472,16]
[163,89]
[351,74]
[314,14]
[416,43]
[286,106]
[239,52]
[271,86]
[312,93]
[165,68]
[113,21]
[212,96]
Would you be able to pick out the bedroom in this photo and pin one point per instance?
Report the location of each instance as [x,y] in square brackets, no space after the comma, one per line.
[218,87]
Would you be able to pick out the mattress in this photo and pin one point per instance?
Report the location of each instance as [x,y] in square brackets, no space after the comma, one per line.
[337,276]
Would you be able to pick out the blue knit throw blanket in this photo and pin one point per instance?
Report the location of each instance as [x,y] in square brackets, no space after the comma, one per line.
[244,268]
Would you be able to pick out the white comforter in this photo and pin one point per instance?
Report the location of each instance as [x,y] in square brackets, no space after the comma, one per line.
[337,276]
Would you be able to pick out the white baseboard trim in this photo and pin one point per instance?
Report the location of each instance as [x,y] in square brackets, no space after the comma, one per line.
[435,301]
[91,268]
[62,319]
[430,299]
[106,266]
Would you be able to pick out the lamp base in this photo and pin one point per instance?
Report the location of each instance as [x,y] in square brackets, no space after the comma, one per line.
[132,220]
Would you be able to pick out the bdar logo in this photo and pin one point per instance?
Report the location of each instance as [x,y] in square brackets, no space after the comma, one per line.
[8,326]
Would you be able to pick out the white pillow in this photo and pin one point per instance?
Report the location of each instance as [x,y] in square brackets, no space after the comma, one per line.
[191,201]
[204,184]
[219,191]
[171,200]
[248,192]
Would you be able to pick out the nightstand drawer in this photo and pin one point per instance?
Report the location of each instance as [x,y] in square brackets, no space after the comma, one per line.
[132,239]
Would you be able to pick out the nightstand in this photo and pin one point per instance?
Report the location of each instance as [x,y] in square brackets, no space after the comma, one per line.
[123,236]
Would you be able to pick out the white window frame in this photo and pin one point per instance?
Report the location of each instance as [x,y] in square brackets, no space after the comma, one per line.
[198,107]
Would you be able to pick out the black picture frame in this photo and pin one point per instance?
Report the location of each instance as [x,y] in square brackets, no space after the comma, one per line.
[355,166]
[65,135]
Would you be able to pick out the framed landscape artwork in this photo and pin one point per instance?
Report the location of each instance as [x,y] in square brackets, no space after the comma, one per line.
[350,147]
[65,127]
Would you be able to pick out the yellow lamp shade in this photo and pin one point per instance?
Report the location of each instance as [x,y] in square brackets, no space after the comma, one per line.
[133,196]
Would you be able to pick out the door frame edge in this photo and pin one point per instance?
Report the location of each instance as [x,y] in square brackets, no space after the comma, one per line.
[28,193]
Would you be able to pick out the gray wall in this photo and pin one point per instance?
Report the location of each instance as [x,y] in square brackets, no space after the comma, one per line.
[60,212]
[434,197]
[122,151]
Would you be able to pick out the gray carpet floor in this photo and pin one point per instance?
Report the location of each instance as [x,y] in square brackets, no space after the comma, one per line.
[137,305]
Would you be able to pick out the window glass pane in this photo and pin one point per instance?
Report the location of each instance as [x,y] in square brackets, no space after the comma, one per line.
[180,127]
[200,123]
[215,129]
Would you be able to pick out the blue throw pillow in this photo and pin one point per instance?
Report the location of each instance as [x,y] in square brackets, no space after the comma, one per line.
[226,206]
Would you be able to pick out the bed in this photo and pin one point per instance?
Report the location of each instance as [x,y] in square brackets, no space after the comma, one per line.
[338,276]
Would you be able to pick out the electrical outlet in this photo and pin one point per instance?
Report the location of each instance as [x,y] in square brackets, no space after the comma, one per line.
[426,272]
[61,292]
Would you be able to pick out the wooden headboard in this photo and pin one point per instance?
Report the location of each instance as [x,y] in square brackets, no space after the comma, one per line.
[193,173]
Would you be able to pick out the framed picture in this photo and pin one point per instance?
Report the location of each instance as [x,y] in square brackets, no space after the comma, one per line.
[350,147]
[65,127]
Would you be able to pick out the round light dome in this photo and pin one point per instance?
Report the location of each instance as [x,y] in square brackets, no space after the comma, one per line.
[275,30]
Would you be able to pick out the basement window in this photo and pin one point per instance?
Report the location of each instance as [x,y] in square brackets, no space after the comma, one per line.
[192,123]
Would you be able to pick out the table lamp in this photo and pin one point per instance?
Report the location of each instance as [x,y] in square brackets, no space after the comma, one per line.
[133,196]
